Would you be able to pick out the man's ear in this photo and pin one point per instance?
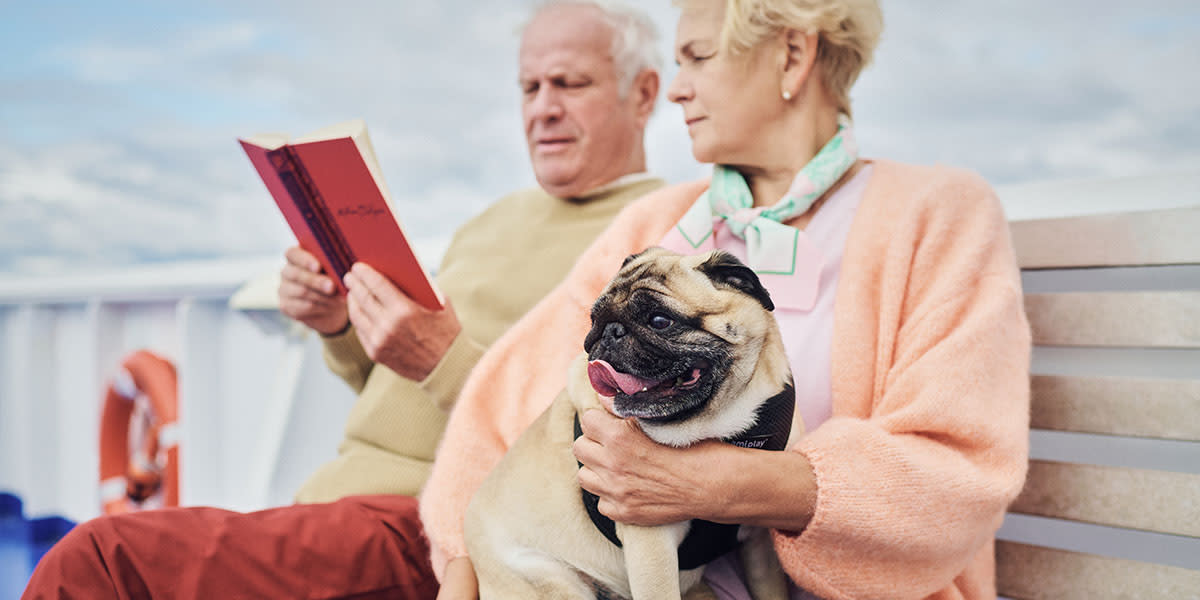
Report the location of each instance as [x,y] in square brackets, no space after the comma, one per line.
[644,94]
[725,269]
[799,58]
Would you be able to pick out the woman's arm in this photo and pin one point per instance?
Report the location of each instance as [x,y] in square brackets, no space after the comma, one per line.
[517,378]
[522,373]
[645,483]
[459,582]
[499,400]
[928,442]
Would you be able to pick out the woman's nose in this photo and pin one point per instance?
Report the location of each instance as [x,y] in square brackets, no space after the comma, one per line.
[680,89]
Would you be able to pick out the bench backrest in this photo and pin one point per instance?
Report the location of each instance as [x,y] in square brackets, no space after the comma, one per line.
[1111,507]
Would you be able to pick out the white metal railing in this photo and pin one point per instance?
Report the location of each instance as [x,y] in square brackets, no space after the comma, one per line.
[258,408]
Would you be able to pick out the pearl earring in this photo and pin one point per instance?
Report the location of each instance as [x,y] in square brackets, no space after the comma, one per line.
[787,95]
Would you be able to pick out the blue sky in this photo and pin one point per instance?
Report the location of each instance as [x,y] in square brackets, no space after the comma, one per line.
[118,120]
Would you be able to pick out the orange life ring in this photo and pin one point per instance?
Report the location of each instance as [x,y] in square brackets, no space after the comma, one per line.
[139,449]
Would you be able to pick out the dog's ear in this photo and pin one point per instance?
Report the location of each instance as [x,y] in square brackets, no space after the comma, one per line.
[725,269]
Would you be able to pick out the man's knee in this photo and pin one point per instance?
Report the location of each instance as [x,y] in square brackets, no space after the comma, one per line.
[396,524]
[75,562]
[397,514]
[80,543]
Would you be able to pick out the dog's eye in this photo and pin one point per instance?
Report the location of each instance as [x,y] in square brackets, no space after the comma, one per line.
[658,321]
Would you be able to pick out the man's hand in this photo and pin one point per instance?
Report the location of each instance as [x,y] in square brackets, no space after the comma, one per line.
[310,296]
[394,330]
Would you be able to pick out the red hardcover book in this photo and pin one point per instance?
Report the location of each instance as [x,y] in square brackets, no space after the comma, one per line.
[330,189]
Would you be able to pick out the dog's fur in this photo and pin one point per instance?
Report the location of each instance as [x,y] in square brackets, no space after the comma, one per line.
[718,358]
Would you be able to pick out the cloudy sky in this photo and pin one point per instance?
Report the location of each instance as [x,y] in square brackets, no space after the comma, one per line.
[118,120]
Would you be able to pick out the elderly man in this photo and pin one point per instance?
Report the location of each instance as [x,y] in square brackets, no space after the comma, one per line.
[589,82]
[585,106]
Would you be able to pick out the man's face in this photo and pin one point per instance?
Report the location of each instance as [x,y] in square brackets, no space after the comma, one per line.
[580,133]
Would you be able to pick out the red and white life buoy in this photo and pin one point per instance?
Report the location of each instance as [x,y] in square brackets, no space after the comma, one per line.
[139,442]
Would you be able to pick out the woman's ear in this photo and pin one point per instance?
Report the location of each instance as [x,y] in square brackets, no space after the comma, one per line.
[799,58]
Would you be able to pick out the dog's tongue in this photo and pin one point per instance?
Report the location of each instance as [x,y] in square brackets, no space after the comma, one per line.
[607,381]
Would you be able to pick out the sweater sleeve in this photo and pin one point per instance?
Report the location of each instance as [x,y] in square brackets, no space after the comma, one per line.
[520,375]
[504,394]
[915,472]
[345,356]
[444,383]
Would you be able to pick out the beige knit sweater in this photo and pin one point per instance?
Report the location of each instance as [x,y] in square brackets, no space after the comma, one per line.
[929,435]
[497,266]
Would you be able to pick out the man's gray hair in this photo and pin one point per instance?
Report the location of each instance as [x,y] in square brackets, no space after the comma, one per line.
[635,37]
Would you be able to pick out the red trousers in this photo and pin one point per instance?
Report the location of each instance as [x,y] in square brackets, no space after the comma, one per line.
[363,547]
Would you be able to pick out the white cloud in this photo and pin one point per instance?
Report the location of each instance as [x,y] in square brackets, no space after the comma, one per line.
[162,55]
[1029,90]
[86,205]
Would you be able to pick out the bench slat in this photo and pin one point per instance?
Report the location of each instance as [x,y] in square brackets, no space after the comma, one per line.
[1119,319]
[1025,572]
[1158,501]
[1161,237]
[1151,408]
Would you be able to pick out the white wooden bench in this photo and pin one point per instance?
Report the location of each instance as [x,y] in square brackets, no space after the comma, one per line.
[1111,507]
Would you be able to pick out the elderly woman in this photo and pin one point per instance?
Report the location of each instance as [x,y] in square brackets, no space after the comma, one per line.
[900,304]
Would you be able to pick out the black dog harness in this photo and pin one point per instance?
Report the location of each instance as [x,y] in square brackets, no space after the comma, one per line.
[706,541]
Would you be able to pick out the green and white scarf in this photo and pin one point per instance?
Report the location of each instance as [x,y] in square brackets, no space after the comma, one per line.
[779,254]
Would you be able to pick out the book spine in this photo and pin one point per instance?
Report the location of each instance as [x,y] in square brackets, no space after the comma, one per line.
[315,212]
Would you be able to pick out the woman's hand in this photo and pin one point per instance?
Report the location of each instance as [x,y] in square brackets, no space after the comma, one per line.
[459,582]
[641,482]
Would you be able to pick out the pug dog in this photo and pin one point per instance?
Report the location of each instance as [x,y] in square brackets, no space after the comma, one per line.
[688,347]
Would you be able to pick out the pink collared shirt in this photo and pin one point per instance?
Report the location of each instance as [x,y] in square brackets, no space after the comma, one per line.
[807,339]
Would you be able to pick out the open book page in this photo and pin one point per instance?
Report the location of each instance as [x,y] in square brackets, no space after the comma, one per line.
[267,141]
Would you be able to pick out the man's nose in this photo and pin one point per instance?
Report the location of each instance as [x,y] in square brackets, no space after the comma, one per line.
[546,104]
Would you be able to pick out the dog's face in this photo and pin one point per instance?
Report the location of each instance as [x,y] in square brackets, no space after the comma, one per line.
[676,340]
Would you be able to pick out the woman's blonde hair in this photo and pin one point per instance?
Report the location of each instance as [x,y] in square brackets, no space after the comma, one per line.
[848,30]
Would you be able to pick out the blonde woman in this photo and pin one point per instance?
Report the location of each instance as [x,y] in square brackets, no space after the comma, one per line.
[900,304]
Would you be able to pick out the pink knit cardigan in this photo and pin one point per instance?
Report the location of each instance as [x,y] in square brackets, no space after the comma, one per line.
[928,440]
